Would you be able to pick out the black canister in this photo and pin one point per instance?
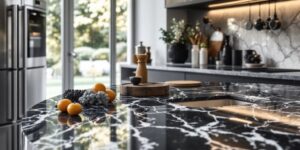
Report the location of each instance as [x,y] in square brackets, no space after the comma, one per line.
[227,52]
[237,57]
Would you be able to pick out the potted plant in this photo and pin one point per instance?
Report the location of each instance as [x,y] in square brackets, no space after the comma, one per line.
[196,39]
[176,40]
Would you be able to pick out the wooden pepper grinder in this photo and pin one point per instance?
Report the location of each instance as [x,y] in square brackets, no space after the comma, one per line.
[141,70]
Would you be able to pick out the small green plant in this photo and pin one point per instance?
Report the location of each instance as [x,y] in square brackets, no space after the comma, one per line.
[203,45]
[167,36]
[195,35]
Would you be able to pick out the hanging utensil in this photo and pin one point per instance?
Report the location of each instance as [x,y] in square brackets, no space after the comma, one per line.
[267,24]
[275,23]
[259,24]
[249,24]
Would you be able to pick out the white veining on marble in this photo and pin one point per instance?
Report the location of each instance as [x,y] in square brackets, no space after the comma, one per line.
[140,121]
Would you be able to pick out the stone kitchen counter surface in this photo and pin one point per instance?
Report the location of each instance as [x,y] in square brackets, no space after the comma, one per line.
[213,116]
[228,71]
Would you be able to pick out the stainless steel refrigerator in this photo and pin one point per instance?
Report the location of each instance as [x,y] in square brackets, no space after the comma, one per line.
[22,65]
[12,69]
[22,57]
[12,77]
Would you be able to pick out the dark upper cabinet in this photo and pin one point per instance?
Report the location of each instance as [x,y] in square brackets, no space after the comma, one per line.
[208,3]
[182,3]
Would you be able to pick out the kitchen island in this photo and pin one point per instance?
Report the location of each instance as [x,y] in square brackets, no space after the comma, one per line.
[213,116]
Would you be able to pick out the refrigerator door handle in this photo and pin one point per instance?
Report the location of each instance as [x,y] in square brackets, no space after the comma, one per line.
[13,37]
[21,52]
[12,59]
[10,103]
[25,35]
[21,94]
[15,94]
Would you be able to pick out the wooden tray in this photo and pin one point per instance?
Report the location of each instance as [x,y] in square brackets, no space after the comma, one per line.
[184,83]
[145,89]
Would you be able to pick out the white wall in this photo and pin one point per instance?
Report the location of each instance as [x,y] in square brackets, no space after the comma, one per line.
[150,16]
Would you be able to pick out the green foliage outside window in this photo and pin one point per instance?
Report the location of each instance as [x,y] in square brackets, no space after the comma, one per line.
[91,29]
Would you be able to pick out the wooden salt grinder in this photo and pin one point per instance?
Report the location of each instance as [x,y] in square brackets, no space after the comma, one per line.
[141,70]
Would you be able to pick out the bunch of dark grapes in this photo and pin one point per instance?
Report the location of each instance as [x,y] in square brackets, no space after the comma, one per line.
[89,98]
[73,95]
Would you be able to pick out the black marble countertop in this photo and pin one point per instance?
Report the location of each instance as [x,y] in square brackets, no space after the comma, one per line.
[213,116]
[268,73]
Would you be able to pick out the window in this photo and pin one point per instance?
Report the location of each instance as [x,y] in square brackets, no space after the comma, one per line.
[91,43]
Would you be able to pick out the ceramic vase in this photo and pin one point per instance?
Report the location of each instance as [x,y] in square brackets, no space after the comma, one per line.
[178,53]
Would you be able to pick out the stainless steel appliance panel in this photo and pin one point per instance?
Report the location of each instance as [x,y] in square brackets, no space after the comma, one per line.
[35,37]
[35,3]
[8,36]
[36,82]
[36,62]
[13,2]
[11,138]
[6,137]
[34,45]
[6,100]
[3,51]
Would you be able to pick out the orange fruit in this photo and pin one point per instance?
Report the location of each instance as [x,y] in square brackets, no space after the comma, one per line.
[74,109]
[111,94]
[99,87]
[63,104]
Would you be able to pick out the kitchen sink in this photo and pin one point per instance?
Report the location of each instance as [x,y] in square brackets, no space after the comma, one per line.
[230,108]
[212,103]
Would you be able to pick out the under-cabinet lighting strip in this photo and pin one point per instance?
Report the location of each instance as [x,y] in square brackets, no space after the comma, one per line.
[239,2]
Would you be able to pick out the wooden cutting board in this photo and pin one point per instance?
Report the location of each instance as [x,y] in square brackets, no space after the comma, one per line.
[184,83]
[145,89]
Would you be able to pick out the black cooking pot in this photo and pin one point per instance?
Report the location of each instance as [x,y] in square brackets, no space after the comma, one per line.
[275,23]
[259,24]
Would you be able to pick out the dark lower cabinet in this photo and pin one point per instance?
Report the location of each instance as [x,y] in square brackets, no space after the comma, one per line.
[155,75]
[161,76]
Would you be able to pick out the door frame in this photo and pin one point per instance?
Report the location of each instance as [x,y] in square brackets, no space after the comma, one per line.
[113,42]
[67,43]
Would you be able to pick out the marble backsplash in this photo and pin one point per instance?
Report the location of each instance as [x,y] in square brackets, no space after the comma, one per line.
[280,48]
